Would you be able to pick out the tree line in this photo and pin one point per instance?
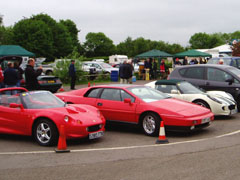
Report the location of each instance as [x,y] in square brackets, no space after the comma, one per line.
[53,39]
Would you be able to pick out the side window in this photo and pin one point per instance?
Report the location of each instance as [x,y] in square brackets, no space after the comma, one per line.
[93,93]
[166,88]
[111,94]
[194,73]
[125,95]
[214,74]
[5,99]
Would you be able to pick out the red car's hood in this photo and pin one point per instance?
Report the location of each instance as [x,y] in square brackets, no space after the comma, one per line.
[180,107]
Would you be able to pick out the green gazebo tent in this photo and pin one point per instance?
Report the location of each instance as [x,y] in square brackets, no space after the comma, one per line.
[14,50]
[154,54]
[192,53]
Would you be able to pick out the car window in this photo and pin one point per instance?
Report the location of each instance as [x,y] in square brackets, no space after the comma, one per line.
[194,73]
[214,74]
[6,99]
[125,95]
[166,88]
[93,93]
[111,94]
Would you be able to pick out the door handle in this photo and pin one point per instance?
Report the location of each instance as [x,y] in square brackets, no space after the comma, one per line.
[99,104]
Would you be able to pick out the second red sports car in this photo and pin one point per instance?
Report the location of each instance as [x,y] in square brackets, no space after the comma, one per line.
[141,105]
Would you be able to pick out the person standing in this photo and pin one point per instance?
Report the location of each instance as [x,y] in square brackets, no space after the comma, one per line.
[72,74]
[10,76]
[31,75]
[185,61]
[123,73]
[154,69]
[20,73]
[129,71]
[1,78]
[163,69]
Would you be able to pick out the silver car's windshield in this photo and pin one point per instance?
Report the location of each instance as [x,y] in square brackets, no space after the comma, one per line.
[41,100]
[187,88]
[148,94]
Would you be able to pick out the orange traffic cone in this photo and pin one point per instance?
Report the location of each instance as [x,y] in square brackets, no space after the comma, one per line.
[162,138]
[62,145]
[89,84]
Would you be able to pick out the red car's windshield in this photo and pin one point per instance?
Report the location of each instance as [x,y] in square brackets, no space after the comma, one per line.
[148,94]
[41,100]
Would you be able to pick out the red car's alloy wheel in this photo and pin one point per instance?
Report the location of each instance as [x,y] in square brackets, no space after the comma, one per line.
[150,124]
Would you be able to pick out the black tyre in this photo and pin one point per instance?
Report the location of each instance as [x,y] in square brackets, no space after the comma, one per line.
[151,124]
[45,132]
[202,103]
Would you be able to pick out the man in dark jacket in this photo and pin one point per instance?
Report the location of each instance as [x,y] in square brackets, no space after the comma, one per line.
[10,76]
[125,72]
[72,74]
[31,75]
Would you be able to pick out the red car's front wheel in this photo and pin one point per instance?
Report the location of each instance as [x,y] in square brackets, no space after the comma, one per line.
[151,124]
[45,132]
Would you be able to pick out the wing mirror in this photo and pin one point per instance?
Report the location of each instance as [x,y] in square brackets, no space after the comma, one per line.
[174,91]
[230,81]
[15,105]
[127,100]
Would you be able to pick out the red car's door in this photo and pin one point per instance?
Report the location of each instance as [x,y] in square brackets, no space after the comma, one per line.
[111,104]
[12,120]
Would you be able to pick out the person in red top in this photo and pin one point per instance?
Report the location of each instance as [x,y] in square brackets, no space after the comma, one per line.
[1,78]
[163,69]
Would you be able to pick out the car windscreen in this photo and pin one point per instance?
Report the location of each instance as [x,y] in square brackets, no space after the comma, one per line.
[148,94]
[187,88]
[105,65]
[41,100]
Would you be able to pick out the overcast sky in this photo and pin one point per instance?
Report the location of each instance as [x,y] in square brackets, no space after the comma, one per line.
[172,21]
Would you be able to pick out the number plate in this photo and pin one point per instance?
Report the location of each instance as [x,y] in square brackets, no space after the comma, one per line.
[51,81]
[206,120]
[233,111]
[96,135]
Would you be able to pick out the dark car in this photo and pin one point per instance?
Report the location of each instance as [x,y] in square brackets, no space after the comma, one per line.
[211,77]
[231,61]
[50,83]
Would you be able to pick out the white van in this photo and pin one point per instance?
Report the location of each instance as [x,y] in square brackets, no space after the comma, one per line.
[117,59]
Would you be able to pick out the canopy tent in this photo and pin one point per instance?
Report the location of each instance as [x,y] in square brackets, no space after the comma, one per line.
[192,53]
[154,54]
[14,50]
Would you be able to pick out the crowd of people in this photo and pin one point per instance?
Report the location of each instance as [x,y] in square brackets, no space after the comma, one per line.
[12,75]
[192,61]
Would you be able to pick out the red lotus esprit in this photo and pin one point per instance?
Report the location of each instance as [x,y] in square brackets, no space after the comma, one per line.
[40,114]
[141,105]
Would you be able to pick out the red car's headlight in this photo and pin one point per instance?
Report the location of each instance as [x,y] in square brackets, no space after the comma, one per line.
[66,118]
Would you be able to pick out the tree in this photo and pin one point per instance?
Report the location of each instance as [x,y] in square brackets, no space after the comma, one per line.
[62,42]
[35,36]
[199,41]
[98,44]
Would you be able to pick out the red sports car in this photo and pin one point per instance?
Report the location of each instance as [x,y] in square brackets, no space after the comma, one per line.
[40,113]
[141,105]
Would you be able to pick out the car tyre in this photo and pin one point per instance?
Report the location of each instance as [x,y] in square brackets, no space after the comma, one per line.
[45,132]
[151,124]
[202,103]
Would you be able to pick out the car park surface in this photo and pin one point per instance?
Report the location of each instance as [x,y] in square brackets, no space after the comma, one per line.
[219,102]
[40,114]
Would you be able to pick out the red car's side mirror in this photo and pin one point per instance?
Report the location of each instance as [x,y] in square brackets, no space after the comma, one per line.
[127,100]
[14,105]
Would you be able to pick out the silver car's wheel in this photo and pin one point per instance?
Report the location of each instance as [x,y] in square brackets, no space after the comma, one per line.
[45,132]
[202,103]
[150,124]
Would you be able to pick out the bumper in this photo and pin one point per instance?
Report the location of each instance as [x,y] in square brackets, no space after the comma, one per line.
[187,128]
